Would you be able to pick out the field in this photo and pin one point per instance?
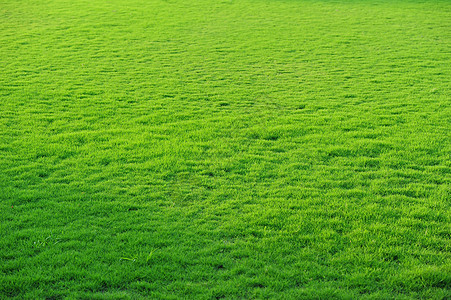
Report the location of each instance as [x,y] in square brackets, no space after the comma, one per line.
[238,149]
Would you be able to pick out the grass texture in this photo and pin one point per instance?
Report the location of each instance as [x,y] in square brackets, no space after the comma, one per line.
[238,149]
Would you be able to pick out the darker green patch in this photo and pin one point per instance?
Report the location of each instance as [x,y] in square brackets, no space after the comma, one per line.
[301,106]
[271,137]
[341,152]
[105,161]
[257,285]
[43,174]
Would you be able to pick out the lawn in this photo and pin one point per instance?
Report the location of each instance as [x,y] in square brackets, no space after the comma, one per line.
[238,149]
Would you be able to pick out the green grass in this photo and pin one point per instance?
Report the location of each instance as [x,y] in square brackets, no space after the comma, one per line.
[239,149]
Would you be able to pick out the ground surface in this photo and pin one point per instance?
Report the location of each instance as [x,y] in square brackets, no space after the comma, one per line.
[238,149]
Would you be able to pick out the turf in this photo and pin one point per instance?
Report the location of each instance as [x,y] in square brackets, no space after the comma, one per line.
[225,149]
